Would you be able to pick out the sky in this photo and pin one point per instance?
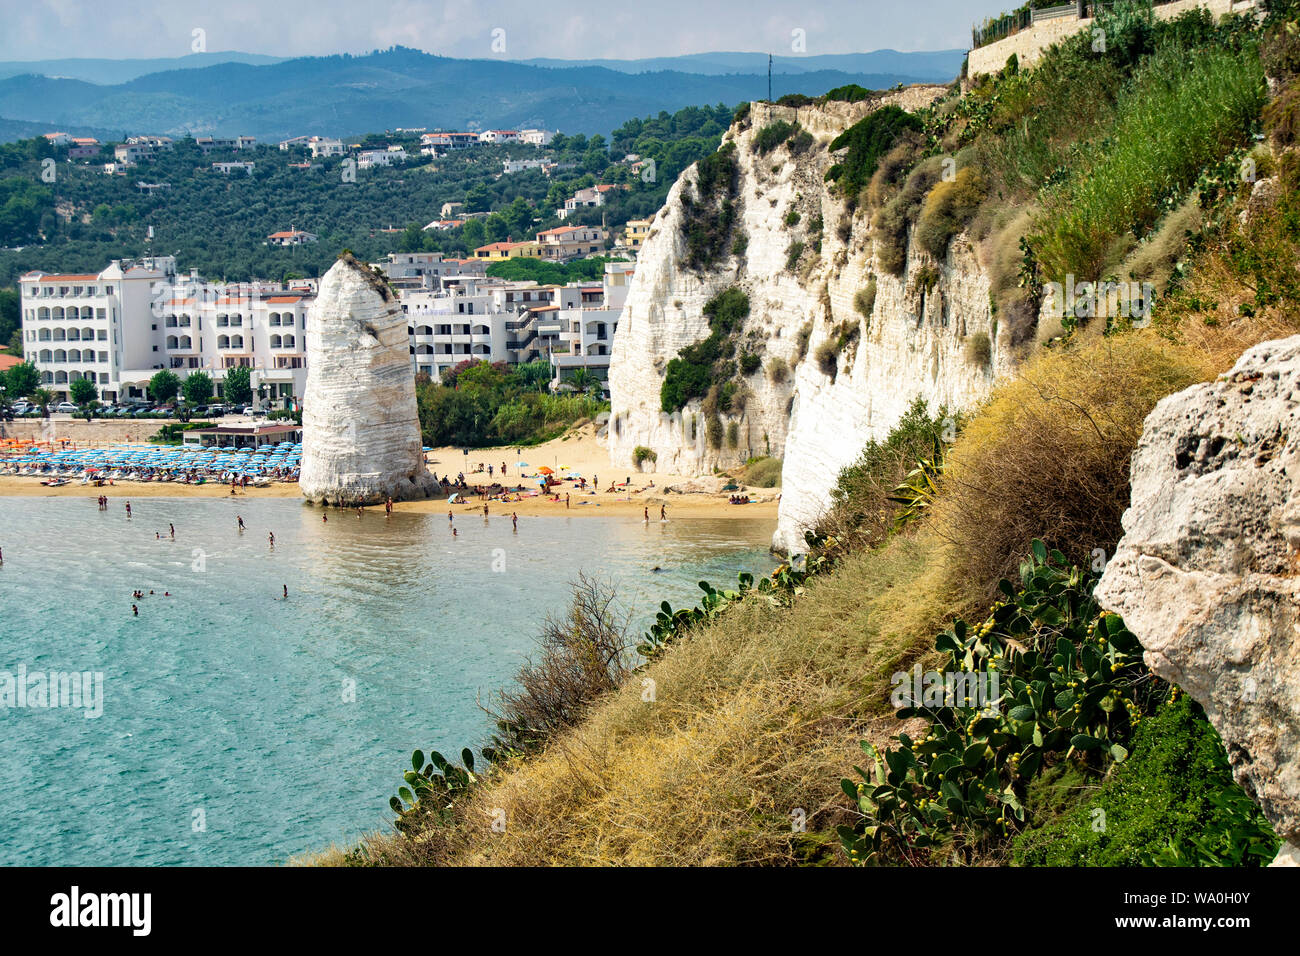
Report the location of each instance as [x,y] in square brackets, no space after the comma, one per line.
[566,29]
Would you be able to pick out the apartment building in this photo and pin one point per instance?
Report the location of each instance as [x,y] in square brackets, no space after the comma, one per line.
[497,136]
[119,326]
[499,251]
[588,198]
[208,143]
[584,333]
[323,148]
[635,233]
[291,237]
[571,242]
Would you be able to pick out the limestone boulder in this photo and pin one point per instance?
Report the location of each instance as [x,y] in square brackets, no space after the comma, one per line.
[1206,574]
[361,429]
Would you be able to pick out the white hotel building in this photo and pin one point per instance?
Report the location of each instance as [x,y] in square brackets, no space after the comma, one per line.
[120,326]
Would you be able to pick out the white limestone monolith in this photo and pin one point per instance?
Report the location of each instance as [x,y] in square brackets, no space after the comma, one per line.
[361,429]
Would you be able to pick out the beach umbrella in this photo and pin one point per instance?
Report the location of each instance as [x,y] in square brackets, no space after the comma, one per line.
[521,464]
[545,471]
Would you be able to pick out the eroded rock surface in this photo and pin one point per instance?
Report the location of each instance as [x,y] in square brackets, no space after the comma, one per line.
[1206,573]
[361,429]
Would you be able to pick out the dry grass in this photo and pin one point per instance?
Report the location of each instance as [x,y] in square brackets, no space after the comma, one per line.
[756,716]
[1048,455]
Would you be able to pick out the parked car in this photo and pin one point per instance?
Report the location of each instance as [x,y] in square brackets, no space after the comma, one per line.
[22,407]
[69,407]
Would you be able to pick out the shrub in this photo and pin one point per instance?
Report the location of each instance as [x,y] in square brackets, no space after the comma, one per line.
[773,135]
[705,363]
[709,215]
[749,363]
[763,472]
[979,350]
[1173,802]
[792,217]
[892,221]
[1181,114]
[863,508]
[778,369]
[800,142]
[713,432]
[867,141]
[583,656]
[641,454]
[801,341]
[947,209]
[1052,678]
[1048,455]
[865,298]
[828,358]
[851,93]
[733,434]
[793,254]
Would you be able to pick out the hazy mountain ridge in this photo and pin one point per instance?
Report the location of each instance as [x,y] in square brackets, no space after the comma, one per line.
[343,94]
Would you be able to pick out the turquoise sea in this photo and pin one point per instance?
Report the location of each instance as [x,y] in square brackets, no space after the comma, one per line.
[239,728]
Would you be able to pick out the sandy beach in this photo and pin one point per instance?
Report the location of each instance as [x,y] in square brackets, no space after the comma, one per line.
[579,451]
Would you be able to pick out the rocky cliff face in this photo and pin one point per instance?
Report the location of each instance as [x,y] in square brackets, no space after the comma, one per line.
[361,429]
[814,409]
[1206,573]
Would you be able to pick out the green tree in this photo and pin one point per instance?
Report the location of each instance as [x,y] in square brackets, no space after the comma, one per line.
[43,398]
[83,391]
[21,380]
[197,388]
[164,386]
[238,386]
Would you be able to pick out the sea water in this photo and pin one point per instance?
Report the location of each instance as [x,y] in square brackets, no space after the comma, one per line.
[242,728]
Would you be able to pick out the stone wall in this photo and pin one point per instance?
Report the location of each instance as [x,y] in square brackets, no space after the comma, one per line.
[97,432]
[1028,45]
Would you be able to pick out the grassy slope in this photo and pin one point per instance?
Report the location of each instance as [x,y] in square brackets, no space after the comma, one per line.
[754,717]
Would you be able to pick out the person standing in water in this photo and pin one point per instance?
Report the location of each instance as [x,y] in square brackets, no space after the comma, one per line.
[172,529]
[647,514]
[514,523]
[128,509]
[324,518]
[240,519]
[270,536]
[286,592]
[663,513]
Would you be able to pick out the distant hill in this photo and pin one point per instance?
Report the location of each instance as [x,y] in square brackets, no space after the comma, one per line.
[122,71]
[11,130]
[938,66]
[402,87]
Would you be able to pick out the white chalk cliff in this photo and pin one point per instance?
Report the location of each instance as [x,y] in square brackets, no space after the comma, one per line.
[361,429]
[912,344]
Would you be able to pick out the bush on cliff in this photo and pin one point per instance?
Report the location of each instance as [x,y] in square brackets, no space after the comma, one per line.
[1173,802]
[867,141]
[708,362]
[1048,455]
[709,214]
